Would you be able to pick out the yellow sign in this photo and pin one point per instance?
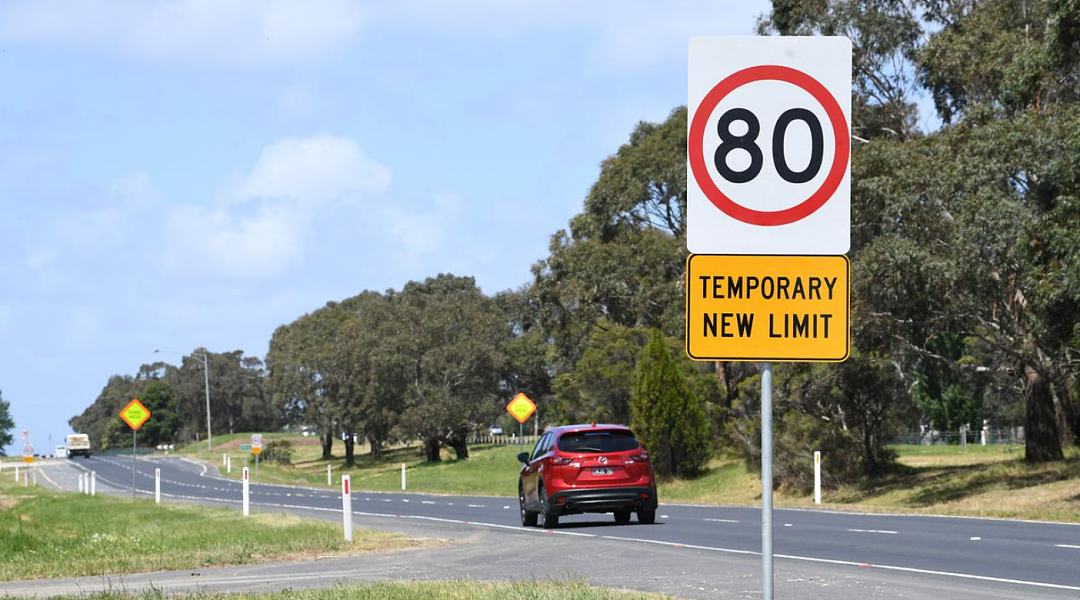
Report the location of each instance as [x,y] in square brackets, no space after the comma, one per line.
[256,449]
[28,459]
[767,308]
[135,414]
[521,408]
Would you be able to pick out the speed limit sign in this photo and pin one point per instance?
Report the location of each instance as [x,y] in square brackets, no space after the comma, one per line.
[769,145]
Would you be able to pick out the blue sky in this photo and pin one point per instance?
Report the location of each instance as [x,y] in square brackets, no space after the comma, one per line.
[187,173]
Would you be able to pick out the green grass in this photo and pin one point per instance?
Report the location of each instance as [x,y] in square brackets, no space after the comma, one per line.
[50,534]
[976,481]
[490,471]
[415,590]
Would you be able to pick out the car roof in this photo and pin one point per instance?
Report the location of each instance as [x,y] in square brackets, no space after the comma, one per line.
[587,427]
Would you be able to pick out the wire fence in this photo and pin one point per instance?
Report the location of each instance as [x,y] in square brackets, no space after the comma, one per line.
[503,439]
[987,437]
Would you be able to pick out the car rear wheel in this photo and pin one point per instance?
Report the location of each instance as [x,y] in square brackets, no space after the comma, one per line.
[622,517]
[646,517]
[550,521]
[528,518]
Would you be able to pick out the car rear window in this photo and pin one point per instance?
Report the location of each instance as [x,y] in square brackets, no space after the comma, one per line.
[580,442]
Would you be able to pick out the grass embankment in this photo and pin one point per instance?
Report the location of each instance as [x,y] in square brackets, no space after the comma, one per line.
[434,590]
[990,481]
[50,534]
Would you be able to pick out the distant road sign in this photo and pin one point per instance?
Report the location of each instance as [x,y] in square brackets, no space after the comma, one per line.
[767,308]
[521,408]
[256,440]
[135,414]
[28,450]
[245,447]
[768,145]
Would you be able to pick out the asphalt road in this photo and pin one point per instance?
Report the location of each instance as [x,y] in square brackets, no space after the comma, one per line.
[1002,559]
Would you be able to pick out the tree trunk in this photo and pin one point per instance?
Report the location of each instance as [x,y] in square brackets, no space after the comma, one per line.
[1070,409]
[350,457]
[723,378]
[868,448]
[327,445]
[458,440]
[460,447]
[376,446]
[1042,440]
[431,450]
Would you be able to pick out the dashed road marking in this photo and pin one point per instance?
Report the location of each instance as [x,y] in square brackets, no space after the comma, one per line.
[873,531]
[721,520]
[1070,546]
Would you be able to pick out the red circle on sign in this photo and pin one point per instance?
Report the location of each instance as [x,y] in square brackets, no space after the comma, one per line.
[696,144]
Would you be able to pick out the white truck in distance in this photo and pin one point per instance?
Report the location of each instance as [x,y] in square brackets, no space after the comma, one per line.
[78,444]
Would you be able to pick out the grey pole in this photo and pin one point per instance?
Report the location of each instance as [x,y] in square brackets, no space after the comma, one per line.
[206,374]
[134,438]
[766,483]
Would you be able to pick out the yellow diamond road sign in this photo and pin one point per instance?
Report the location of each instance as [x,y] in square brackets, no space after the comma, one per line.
[521,408]
[135,414]
[767,308]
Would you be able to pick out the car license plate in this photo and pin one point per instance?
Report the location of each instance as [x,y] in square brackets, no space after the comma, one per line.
[603,471]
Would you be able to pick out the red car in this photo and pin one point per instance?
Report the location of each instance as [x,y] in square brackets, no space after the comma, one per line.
[586,469]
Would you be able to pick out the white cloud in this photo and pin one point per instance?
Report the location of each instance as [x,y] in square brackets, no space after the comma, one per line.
[629,32]
[216,240]
[311,171]
[260,227]
[235,32]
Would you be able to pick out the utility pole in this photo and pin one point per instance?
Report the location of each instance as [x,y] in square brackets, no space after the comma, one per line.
[206,375]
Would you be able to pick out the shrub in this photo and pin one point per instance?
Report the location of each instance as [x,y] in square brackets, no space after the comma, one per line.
[667,417]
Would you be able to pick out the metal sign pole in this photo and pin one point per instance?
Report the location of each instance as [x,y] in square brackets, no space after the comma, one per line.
[134,440]
[766,483]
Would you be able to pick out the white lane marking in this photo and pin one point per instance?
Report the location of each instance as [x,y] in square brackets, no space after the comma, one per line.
[476,506]
[874,531]
[788,525]
[404,499]
[49,479]
[976,539]
[505,507]
[658,542]
[721,520]
[663,516]
[1067,546]
[426,502]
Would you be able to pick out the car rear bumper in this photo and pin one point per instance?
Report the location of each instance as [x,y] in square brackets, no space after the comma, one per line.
[603,500]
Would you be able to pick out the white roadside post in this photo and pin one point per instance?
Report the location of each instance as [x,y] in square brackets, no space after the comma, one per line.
[247,509]
[817,477]
[329,476]
[224,457]
[228,465]
[16,473]
[93,483]
[403,477]
[157,486]
[86,483]
[346,507]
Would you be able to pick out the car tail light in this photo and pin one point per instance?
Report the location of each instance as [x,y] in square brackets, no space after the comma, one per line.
[642,456]
[559,460]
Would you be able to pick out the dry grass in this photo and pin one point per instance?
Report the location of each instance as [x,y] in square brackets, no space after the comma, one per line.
[50,534]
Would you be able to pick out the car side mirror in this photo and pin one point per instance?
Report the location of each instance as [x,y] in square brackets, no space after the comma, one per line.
[523,457]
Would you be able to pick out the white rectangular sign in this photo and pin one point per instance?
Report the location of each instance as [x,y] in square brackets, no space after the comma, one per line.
[769,147]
